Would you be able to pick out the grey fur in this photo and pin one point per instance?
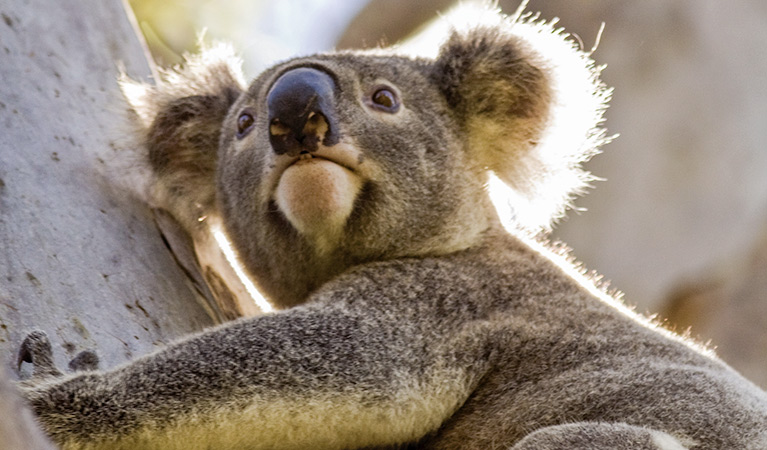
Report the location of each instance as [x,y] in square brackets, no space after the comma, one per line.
[427,324]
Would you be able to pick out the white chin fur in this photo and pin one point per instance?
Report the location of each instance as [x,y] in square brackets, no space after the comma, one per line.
[317,197]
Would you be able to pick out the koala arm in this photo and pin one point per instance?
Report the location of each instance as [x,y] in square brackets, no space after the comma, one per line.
[341,372]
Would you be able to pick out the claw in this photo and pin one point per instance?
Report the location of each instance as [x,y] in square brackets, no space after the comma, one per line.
[36,349]
[85,360]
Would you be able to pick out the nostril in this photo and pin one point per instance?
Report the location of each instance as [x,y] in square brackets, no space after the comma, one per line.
[277,128]
[286,143]
[315,118]
[316,129]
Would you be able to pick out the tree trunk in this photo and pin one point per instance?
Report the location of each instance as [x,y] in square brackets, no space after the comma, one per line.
[18,430]
[81,259]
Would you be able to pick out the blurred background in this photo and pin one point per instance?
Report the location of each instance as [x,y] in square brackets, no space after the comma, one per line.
[680,222]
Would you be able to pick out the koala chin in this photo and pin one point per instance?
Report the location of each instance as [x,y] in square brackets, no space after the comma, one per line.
[317,193]
[354,187]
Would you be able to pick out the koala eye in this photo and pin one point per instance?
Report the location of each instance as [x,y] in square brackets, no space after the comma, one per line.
[245,122]
[384,99]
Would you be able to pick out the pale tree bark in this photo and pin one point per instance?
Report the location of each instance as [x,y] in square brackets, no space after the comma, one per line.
[18,430]
[79,258]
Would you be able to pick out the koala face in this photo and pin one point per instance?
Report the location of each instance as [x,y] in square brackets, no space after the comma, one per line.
[338,159]
[344,159]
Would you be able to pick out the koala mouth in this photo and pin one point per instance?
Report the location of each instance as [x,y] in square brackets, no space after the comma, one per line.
[345,155]
[325,154]
[316,191]
[306,156]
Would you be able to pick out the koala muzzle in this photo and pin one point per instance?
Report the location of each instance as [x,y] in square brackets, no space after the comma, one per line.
[302,112]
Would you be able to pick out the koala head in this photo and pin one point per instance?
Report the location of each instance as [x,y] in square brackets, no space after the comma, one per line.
[336,159]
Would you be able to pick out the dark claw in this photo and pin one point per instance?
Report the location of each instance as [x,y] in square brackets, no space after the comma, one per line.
[36,350]
[85,360]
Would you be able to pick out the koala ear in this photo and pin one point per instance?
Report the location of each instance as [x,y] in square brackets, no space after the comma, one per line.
[530,103]
[180,119]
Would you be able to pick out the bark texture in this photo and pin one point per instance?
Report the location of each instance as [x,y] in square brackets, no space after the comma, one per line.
[81,258]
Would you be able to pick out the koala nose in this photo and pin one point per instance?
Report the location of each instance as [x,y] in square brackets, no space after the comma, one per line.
[301,112]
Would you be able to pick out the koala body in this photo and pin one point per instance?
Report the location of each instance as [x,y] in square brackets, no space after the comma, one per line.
[354,187]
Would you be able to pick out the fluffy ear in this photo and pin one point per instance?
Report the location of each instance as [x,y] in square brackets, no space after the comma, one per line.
[530,103]
[181,118]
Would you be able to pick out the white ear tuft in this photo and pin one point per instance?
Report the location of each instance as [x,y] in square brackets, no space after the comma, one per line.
[138,96]
[531,104]
[572,133]
[214,68]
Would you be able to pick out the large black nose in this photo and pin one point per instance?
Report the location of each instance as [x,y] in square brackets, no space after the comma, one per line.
[302,111]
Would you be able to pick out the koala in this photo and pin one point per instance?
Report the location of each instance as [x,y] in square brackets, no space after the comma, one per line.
[354,187]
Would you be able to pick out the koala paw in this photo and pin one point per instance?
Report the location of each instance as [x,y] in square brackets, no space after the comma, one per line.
[36,349]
